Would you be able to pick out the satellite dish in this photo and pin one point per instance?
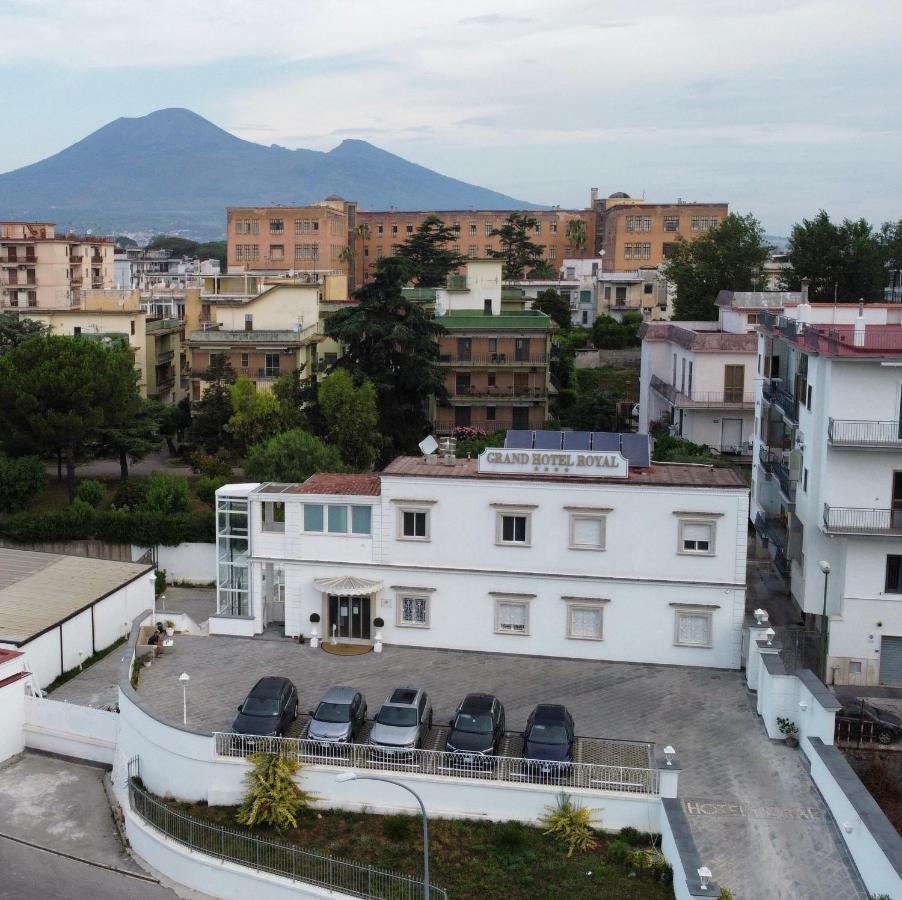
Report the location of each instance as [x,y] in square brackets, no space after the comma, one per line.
[428,445]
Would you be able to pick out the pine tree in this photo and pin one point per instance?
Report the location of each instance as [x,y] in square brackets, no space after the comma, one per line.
[519,253]
[273,797]
[427,253]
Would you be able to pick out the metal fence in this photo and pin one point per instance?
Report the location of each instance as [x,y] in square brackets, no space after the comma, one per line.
[862,520]
[586,776]
[861,433]
[278,858]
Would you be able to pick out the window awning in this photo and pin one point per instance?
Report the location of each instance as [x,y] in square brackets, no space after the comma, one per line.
[347,586]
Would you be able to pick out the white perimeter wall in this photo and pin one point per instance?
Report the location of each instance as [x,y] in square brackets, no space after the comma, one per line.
[71,730]
[194,563]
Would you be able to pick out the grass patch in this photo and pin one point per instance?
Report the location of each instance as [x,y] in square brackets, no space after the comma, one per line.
[472,860]
[96,657]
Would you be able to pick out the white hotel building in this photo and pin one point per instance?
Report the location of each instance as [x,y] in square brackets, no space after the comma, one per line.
[553,552]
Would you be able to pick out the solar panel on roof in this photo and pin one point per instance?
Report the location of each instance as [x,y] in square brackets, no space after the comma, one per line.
[605,440]
[637,450]
[518,440]
[577,440]
[548,440]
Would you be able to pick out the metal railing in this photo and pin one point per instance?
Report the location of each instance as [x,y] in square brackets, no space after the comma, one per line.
[787,483]
[856,520]
[766,459]
[862,433]
[787,402]
[727,398]
[493,359]
[771,529]
[245,849]
[509,769]
[499,393]
[858,732]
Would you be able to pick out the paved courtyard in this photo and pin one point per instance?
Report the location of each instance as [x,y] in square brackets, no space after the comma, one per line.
[757,819]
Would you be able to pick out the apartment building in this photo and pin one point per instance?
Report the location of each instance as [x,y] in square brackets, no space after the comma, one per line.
[43,270]
[277,239]
[827,487]
[522,550]
[640,291]
[699,378]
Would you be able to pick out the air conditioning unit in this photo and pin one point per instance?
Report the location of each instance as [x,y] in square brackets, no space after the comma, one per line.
[800,440]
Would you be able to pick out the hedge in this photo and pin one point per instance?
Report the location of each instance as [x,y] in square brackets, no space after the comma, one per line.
[115,526]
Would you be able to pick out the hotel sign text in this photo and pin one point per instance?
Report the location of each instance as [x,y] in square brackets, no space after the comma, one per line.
[587,464]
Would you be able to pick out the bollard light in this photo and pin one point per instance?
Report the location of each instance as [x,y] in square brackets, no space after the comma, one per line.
[760,616]
[669,754]
[184,678]
[770,634]
[704,876]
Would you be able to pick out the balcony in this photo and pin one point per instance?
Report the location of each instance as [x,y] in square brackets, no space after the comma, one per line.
[730,399]
[165,357]
[787,402]
[772,529]
[76,259]
[787,483]
[269,372]
[494,359]
[96,260]
[857,520]
[498,393]
[864,434]
[164,384]
[766,459]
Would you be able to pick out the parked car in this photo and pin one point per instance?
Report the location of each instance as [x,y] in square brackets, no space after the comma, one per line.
[403,721]
[339,716]
[548,739]
[869,722]
[477,728]
[268,710]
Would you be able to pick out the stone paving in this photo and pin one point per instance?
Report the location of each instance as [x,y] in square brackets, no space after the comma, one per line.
[758,820]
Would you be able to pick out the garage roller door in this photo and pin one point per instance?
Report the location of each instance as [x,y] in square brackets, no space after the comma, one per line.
[891,660]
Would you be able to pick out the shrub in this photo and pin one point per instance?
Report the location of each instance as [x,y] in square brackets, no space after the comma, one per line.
[398,827]
[205,488]
[273,797]
[91,492]
[166,494]
[619,852]
[21,479]
[314,617]
[159,584]
[130,495]
[212,465]
[633,837]
[379,622]
[571,824]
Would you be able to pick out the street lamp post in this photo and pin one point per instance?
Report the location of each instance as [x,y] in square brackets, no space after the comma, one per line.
[353,776]
[825,568]
[184,678]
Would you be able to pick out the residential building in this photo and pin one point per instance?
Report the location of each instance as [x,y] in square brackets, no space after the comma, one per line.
[640,291]
[291,239]
[43,270]
[699,378]
[523,550]
[827,487]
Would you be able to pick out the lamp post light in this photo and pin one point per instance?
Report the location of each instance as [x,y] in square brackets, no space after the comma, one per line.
[353,776]
[825,568]
[184,679]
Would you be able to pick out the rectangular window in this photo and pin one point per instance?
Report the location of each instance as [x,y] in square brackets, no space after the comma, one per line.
[805,481]
[412,611]
[585,621]
[408,229]
[671,223]
[245,360]
[552,227]
[394,230]
[313,517]
[489,228]
[273,516]
[552,252]
[893,574]
[512,616]
[648,288]
[277,251]
[414,524]
[693,628]
[513,528]
[276,226]
[471,251]
[627,251]
[338,519]
[306,251]
[667,250]
[472,229]
[361,519]
[380,229]
[487,251]
[306,226]
[491,413]
[587,532]
[696,536]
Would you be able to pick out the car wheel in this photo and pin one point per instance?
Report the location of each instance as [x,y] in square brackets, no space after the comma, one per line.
[885,737]
[295,714]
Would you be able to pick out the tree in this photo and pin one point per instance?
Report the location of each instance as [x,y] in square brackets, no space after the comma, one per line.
[555,306]
[392,342]
[543,271]
[292,456]
[133,436]
[519,253]
[577,235]
[609,334]
[212,412]
[727,257]
[178,246]
[426,251]
[297,398]
[273,797]
[174,421]
[256,416]
[21,479]
[844,261]
[15,330]
[351,417]
[59,393]
[594,409]
[166,494]
[213,250]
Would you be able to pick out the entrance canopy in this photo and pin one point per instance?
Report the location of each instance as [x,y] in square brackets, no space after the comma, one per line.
[347,586]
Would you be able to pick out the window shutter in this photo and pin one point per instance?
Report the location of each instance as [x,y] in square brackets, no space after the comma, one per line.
[512,616]
[893,572]
[588,532]
[696,531]
[585,622]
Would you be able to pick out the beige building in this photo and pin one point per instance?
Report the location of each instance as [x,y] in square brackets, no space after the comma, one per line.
[40,269]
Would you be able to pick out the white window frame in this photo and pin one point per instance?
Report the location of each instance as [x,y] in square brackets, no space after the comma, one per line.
[593,515]
[400,597]
[500,514]
[710,521]
[511,601]
[576,603]
[269,523]
[325,504]
[703,611]
[414,509]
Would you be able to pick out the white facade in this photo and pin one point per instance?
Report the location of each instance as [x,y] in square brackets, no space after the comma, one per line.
[826,484]
[537,565]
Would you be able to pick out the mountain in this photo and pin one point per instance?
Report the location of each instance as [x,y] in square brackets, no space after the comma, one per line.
[173,171]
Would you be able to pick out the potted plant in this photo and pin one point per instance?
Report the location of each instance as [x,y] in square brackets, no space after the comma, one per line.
[790,730]
[170,627]
[378,622]
[314,617]
[314,635]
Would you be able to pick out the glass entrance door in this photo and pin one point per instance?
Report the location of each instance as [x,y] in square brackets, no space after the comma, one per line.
[350,617]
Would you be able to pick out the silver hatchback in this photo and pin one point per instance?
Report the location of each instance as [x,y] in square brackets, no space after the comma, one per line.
[403,722]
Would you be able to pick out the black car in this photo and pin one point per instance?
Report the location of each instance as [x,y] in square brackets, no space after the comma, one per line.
[268,709]
[477,728]
[857,719]
[548,739]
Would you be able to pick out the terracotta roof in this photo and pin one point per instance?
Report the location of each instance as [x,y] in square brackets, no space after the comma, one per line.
[663,474]
[699,341]
[336,483]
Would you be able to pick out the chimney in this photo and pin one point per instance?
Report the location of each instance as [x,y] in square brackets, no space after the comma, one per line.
[594,197]
[805,283]
[859,325]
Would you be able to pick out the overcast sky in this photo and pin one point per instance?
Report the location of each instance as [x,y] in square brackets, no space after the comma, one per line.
[778,107]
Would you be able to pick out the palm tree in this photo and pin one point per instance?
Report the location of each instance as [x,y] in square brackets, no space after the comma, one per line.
[362,234]
[577,234]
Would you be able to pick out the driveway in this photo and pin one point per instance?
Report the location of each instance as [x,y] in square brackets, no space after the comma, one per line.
[758,821]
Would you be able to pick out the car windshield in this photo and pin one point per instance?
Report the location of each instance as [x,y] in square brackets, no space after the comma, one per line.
[333,712]
[862,709]
[403,716]
[473,724]
[547,734]
[261,706]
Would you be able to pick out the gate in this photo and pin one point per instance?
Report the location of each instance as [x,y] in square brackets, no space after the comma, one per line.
[801,647]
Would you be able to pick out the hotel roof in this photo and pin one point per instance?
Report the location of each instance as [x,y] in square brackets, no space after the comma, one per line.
[41,590]
[338,483]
